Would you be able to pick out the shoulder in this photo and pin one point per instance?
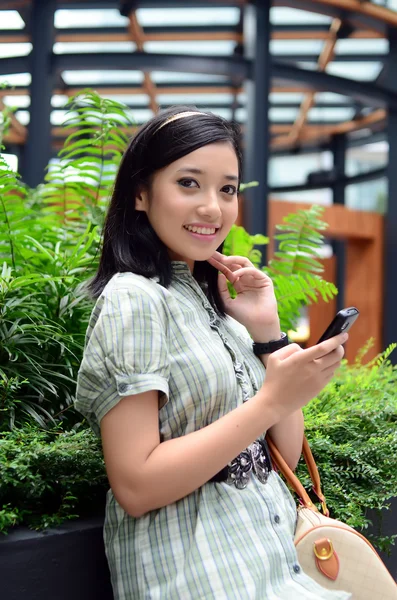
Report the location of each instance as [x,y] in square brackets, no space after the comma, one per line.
[133,284]
[132,295]
[135,291]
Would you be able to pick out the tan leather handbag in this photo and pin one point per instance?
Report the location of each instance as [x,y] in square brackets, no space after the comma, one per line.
[329,551]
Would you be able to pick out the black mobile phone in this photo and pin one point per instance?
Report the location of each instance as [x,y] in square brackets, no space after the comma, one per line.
[342,322]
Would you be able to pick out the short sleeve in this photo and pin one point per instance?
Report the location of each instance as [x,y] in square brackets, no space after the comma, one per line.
[126,352]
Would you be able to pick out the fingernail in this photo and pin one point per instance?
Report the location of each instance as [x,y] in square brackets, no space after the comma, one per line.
[345,336]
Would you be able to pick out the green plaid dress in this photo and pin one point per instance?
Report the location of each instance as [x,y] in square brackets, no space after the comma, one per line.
[218,542]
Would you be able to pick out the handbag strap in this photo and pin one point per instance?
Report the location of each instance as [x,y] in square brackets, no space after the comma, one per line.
[292,479]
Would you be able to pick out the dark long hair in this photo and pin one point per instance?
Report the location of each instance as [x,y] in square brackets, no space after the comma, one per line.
[129,241]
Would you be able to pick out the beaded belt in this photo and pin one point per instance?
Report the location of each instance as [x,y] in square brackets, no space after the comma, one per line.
[256,458]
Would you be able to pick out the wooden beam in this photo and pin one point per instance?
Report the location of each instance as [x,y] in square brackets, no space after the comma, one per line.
[123,91]
[137,35]
[318,132]
[322,35]
[194,36]
[12,137]
[187,36]
[16,126]
[325,57]
[15,38]
[366,8]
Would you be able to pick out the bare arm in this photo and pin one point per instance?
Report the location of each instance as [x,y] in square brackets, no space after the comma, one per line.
[145,475]
[288,437]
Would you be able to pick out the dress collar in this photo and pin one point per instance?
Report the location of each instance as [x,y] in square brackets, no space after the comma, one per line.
[180,269]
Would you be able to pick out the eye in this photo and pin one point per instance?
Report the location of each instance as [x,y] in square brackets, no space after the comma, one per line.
[229,189]
[188,183]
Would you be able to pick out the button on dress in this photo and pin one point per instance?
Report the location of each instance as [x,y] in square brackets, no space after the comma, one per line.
[219,542]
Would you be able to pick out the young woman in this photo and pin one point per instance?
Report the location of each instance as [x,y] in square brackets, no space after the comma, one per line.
[172,382]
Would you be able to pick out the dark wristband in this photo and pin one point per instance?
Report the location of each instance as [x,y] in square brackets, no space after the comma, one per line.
[269,347]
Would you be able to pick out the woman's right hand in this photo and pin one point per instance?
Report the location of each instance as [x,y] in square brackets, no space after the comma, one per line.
[294,376]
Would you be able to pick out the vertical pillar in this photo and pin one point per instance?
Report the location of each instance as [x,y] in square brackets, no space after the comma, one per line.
[257,136]
[38,145]
[338,194]
[390,237]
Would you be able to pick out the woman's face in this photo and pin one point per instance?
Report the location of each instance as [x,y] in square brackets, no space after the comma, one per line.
[192,203]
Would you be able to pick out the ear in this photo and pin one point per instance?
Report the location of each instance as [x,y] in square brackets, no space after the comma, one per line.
[142,201]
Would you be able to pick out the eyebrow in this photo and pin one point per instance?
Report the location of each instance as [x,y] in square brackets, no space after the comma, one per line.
[196,171]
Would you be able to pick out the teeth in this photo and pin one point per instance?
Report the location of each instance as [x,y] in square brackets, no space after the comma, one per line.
[202,230]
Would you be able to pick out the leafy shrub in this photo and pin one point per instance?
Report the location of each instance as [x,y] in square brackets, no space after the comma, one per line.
[352,430]
[49,241]
[49,476]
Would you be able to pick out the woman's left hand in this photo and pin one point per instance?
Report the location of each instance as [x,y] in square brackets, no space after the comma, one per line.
[255,305]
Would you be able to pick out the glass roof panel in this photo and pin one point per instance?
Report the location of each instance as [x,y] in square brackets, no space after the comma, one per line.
[324,97]
[11,160]
[152,17]
[93,47]
[11,19]
[287,98]
[23,116]
[194,98]
[280,15]
[166,77]
[90,17]
[130,99]
[20,79]
[17,101]
[391,4]
[210,47]
[310,47]
[359,46]
[362,71]
[283,115]
[240,115]
[309,66]
[22,49]
[138,115]
[226,113]
[98,77]
[59,100]
[330,114]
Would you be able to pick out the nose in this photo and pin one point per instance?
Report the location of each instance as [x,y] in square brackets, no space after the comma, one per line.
[210,208]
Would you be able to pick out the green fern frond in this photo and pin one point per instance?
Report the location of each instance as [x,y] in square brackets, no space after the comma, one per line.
[363,351]
[297,290]
[295,268]
[240,242]
[299,243]
[385,355]
[79,184]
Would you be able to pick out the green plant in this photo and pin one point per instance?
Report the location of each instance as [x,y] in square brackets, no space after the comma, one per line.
[352,430]
[49,476]
[295,268]
[49,240]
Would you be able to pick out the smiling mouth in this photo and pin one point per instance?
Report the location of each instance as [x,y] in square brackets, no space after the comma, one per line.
[201,230]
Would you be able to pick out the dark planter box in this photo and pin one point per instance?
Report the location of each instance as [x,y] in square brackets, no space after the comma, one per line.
[69,562]
[387,526]
[59,564]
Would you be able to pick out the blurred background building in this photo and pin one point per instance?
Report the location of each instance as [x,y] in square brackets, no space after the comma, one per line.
[313,85]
